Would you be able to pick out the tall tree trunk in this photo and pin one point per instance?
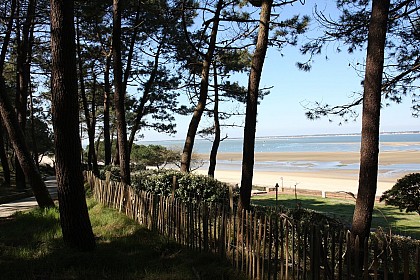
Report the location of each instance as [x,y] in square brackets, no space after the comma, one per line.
[252,104]
[119,95]
[3,156]
[369,150]
[74,218]
[92,159]
[20,97]
[17,139]
[24,59]
[35,154]
[6,40]
[216,141]
[204,88]
[107,105]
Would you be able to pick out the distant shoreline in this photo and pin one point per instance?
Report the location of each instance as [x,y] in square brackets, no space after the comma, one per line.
[295,136]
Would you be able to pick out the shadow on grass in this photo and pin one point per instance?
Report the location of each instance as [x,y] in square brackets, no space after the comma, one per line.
[388,218]
[29,249]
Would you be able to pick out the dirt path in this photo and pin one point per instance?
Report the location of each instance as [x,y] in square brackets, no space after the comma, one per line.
[8,209]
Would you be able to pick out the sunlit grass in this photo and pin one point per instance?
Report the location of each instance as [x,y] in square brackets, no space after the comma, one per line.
[389,218]
[31,247]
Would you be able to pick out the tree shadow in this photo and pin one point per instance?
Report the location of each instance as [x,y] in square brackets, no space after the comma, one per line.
[140,254]
[384,217]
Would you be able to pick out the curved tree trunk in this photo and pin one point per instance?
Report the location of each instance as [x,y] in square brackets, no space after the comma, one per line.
[16,136]
[216,141]
[204,88]
[119,95]
[24,59]
[17,139]
[369,149]
[252,104]
[74,218]
[145,98]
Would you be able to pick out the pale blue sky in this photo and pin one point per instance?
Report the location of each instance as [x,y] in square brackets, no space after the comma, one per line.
[281,112]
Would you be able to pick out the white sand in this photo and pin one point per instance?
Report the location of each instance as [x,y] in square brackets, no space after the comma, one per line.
[327,180]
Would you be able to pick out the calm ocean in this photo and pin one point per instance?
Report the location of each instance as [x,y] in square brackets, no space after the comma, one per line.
[310,143]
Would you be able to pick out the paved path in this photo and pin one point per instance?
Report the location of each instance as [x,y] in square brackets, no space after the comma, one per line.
[8,209]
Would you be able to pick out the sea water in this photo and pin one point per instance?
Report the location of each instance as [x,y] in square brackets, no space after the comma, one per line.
[305,143]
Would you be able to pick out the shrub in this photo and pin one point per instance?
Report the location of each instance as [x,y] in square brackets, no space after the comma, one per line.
[405,193]
[189,187]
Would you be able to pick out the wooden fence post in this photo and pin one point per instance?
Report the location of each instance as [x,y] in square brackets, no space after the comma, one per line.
[174,183]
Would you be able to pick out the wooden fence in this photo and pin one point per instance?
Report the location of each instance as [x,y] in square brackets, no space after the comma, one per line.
[264,246]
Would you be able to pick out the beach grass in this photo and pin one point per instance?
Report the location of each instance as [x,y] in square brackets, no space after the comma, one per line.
[386,217]
[31,247]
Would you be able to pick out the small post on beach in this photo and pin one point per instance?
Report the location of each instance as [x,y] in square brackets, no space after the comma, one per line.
[277,191]
[282,187]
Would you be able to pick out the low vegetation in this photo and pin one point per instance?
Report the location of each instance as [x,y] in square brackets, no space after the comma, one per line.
[31,247]
[385,217]
[188,187]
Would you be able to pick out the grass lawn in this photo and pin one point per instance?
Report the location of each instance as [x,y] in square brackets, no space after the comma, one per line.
[31,247]
[387,217]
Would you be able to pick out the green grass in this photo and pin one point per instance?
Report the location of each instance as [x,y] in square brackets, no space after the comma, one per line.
[389,218]
[31,247]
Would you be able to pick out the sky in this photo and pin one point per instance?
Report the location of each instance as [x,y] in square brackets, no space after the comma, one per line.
[281,113]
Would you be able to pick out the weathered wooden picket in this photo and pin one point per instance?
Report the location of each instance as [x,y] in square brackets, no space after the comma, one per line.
[262,246]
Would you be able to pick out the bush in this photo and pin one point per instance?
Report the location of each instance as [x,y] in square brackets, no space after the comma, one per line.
[405,194]
[189,187]
[115,172]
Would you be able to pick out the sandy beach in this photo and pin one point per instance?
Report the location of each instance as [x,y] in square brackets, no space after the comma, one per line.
[342,176]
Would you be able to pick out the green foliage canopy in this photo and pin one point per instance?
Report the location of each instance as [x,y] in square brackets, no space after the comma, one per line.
[154,155]
[144,155]
[405,193]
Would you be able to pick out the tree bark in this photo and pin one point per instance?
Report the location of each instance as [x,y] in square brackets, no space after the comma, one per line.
[74,218]
[204,88]
[107,105]
[216,141]
[369,150]
[6,40]
[119,95]
[3,156]
[252,104]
